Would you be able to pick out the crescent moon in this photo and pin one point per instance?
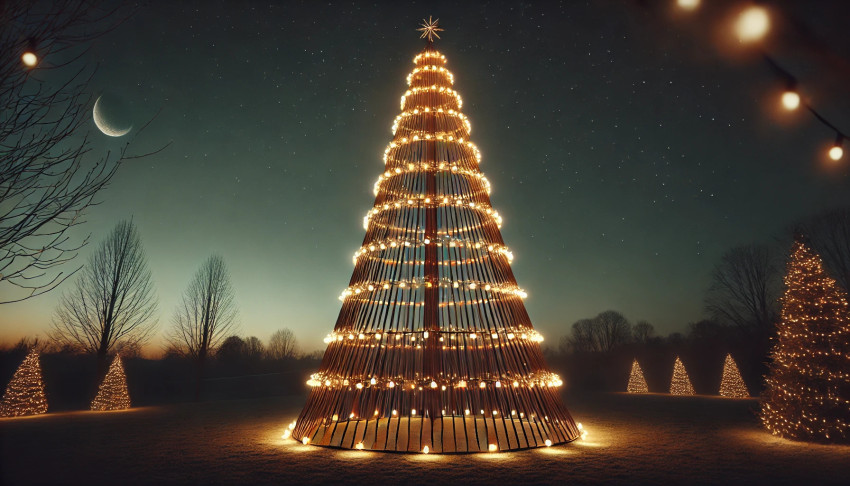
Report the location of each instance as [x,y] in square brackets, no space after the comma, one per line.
[104,126]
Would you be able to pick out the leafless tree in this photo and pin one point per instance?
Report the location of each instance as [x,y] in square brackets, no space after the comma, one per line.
[585,336]
[48,173]
[206,315]
[614,330]
[745,288]
[643,332]
[282,345]
[112,304]
[829,235]
[254,348]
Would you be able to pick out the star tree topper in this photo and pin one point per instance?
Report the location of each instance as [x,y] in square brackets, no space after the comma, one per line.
[429,29]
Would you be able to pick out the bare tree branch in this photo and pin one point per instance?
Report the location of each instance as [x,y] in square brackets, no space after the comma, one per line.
[745,289]
[207,313]
[48,173]
[113,302]
[282,345]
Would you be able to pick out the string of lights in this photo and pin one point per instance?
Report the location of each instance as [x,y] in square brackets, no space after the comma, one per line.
[751,26]
[451,334]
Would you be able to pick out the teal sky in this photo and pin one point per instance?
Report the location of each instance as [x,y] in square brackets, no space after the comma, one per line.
[626,150]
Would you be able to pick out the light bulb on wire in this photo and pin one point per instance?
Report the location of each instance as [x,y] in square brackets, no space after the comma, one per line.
[688,4]
[752,24]
[837,152]
[790,100]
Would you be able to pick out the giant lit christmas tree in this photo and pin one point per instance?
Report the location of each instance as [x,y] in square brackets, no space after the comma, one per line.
[113,394]
[25,393]
[807,393]
[433,350]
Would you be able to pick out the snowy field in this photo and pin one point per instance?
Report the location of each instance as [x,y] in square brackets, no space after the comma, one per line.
[649,439]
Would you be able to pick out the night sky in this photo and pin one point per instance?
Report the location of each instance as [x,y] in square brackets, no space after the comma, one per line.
[628,146]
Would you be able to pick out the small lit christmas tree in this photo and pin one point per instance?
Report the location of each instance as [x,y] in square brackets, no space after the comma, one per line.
[637,383]
[807,393]
[113,393]
[680,384]
[25,393]
[732,384]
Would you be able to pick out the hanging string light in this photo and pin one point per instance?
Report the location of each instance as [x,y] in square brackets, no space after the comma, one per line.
[751,26]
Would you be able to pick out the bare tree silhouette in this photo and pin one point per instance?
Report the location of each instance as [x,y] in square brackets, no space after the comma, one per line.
[113,302]
[745,288]
[206,315]
[48,173]
[282,345]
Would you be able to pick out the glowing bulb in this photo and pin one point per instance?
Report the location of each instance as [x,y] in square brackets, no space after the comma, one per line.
[548,443]
[29,59]
[433,384]
[753,24]
[492,448]
[466,412]
[305,440]
[335,417]
[391,384]
[359,446]
[413,412]
[286,434]
[426,450]
[688,4]
[790,100]
[836,152]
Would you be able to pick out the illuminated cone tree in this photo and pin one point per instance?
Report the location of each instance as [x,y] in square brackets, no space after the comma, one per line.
[25,393]
[680,384]
[113,394]
[732,384]
[637,383]
[433,350]
[807,393]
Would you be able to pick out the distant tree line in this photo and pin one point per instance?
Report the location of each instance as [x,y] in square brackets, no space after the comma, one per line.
[742,303]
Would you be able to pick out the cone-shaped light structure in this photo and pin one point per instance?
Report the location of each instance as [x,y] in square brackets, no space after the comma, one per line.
[433,349]
[25,393]
[113,394]
[732,384]
[680,384]
[637,383]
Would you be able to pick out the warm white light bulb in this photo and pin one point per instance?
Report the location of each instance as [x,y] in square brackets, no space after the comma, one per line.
[29,59]
[790,100]
[836,152]
[548,443]
[753,23]
[688,4]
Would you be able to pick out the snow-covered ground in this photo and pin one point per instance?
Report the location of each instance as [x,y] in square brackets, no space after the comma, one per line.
[632,439]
